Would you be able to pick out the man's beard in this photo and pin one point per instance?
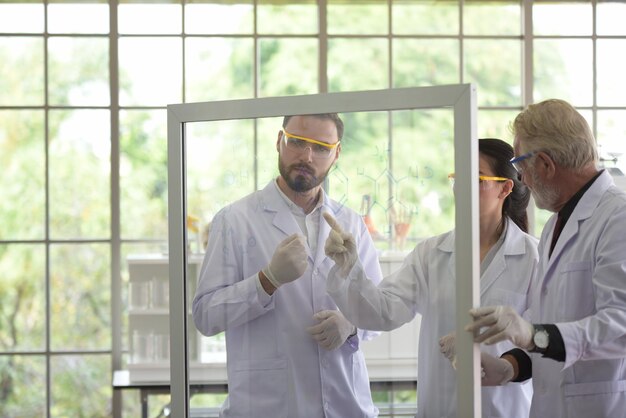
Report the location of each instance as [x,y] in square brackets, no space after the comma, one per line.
[545,196]
[300,183]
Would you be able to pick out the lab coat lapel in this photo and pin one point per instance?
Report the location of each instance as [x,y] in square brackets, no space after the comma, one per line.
[584,209]
[447,246]
[513,245]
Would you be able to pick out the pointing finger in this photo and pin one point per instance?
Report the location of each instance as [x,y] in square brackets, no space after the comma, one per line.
[333,222]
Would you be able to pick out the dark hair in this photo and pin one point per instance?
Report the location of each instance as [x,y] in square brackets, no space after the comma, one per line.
[499,153]
[329,116]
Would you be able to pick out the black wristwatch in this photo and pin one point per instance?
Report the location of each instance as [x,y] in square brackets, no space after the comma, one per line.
[541,339]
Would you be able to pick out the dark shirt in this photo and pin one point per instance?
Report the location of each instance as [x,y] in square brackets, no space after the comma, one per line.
[556,345]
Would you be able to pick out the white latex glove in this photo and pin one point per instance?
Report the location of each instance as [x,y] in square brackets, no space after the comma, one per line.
[333,330]
[496,371]
[447,347]
[340,246]
[289,261]
[502,323]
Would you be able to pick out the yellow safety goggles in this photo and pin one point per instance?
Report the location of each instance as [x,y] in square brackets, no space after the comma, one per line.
[289,136]
[482,178]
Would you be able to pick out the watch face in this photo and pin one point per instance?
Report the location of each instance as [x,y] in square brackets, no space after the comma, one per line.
[541,339]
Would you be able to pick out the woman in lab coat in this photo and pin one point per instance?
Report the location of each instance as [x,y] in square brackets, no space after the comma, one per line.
[425,284]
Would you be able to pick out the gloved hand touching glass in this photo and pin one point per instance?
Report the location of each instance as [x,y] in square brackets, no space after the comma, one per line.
[496,371]
[447,347]
[502,323]
[333,330]
[289,261]
[340,246]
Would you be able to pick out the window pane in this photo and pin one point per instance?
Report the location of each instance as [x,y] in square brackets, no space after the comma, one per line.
[143,174]
[563,68]
[22,298]
[82,385]
[219,18]
[78,18]
[358,64]
[610,18]
[495,124]
[288,66]
[21,73]
[562,18]
[149,18]
[504,18]
[611,68]
[80,165]
[22,158]
[23,379]
[425,17]
[228,60]
[611,137]
[21,18]
[498,81]
[78,71]
[150,71]
[220,166]
[267,160]
[80,296]
[284,18]
[425,62]
[365,18]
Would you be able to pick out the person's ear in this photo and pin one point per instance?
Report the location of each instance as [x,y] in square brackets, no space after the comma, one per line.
[280,137]
[507,188]
[546,165]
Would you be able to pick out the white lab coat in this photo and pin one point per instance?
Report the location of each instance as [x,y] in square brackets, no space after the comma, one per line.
[425,284]
[582,289]
[275,368]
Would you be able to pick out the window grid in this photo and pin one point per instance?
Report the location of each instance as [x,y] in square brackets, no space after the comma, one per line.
[115,240]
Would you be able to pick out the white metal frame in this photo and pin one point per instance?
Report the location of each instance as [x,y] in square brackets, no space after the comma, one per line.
[461,98]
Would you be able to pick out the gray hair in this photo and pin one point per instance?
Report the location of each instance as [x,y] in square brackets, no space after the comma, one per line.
[555,127]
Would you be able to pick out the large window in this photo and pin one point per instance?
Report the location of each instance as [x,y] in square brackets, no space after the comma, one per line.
[83,90]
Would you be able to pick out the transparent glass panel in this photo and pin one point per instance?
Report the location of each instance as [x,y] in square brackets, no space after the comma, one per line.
[425,17]
[78,18]
[21,75]
[78,71]
[563,68]
[420,187]
[80,167]
[610,18]
[562,18]
[218,69]
[288,66]
[611,68]
[503,17]
[402,198]
[80,297]
[22,298]
[425,62]
[149,18]
[22,158]
[82,385]
[287,17]
[358,64]
[21,18]
[204,18]
[495,124]
[612,139]
[150,71]
[143,174]
[371,18]
[498,82]
[23,380]
[360,179]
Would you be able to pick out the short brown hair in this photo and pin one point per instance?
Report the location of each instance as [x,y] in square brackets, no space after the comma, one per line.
[326,116]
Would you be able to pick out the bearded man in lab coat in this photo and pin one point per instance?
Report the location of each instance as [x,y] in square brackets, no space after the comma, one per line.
[574,334]
[290,352]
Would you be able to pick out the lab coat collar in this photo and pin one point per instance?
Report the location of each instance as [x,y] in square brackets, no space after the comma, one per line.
[514,244]
[584,209]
